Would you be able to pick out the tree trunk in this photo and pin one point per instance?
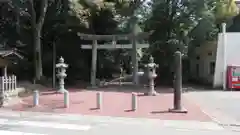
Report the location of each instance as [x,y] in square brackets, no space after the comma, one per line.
[37,52]
[54,65]
[37,24]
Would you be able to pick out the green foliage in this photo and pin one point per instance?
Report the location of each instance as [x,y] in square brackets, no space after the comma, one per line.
[225,10]
[177,25]
[8,29]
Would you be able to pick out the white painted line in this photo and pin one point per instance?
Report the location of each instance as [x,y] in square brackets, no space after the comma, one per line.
[2,132]
[46,124]
[54,125]
[2,121]
[9,114]
[192,125]
[100,119]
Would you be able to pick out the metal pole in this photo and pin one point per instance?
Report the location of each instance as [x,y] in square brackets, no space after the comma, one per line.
[134,101]
[66,99]
[35,98]
[224,55]
[99,100]
[177,100]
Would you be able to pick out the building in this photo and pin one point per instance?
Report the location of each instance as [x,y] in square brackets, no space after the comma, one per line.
[8,58]
[202,64]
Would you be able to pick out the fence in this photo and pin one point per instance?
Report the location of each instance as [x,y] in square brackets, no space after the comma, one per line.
[8,83]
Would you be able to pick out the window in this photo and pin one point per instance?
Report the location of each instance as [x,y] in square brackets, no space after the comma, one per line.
[212,68]
[197,70]
[210,54]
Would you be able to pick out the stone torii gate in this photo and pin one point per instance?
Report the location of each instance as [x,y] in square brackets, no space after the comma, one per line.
[114,38]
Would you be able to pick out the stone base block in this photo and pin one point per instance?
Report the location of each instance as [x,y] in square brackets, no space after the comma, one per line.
[182,110]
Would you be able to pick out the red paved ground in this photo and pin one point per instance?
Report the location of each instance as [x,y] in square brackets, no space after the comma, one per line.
[114,104]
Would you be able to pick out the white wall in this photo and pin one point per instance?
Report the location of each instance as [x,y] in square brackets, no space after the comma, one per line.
[232,55]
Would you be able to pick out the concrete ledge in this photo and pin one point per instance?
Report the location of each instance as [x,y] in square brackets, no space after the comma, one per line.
[12,97]
[16,92]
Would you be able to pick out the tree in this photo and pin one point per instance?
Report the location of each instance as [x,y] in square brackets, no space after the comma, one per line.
[225,10]
[106,17]
[177,23]
[10,24]
[37,21]
[33,14]
[45,22]
[217,12]
[35,11]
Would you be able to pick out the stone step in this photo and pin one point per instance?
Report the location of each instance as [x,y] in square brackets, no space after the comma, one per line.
[15,92]
[12,101]
[12,97]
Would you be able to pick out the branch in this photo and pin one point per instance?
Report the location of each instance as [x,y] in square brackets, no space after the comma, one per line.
[43,10]
[32,12]
[11,5]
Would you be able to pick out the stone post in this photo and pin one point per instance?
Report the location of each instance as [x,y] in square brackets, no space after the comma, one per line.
[177,100]
[99,100]
[35,98]
[134,101]
[66,99]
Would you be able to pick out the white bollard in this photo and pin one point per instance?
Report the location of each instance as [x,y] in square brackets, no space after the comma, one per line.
[66,99]
[134,101]
[99,100]
[35,98]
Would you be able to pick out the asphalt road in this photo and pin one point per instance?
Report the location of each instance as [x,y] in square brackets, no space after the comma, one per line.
[28,123]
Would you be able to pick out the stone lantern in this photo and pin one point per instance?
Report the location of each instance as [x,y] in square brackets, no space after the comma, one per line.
[151,75]
[61,74]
